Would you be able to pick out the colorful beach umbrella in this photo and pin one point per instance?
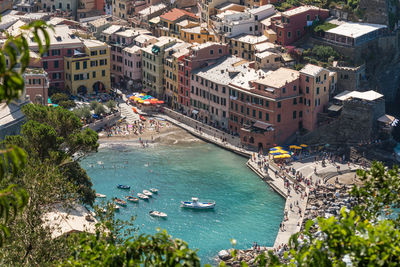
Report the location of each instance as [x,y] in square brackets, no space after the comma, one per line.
[304,145]
[284,156]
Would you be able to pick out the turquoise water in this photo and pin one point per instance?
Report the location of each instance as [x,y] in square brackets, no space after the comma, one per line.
[247,209]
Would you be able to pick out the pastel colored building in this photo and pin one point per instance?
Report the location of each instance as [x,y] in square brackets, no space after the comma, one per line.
[210,90]
[169,21]
[292,24]
[200,56]
[315,84]
[132,58]
[90,8]
[36,85]
[63,43]
[5,5]
[244,45]
[197,35]
[88,70]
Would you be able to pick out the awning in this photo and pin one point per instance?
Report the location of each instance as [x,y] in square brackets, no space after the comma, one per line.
[262,125]
[335,108]
[195,111]
[387,119]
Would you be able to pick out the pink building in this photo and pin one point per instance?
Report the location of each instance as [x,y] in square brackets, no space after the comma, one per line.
[36,85]
[63,42]
[199,56]
[132,58]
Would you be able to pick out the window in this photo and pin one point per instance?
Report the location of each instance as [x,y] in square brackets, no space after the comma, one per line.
[55,52]
[45,66]
[67,65]
[84,64]
[298,33]
[103,52]
[260,115]
[294,101]
[283,90]
[56,64]
[220,51]
[294,114]
[103,73]
[94,74]
[289,34]
[211,52]
[279,104]
[307,79]
[300,114]
[308,17]
[307,90]
[77,65]
[278,118]
[59,5]
[93,53]
[294,88]
[254,113]
[267,116]
[324,88]
[317,90]
[248,111]
[266,103]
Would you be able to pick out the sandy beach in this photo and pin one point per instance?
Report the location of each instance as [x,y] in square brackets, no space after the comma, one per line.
[165,133]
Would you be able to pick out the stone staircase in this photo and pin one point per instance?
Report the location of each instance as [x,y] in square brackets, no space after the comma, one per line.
[127,112]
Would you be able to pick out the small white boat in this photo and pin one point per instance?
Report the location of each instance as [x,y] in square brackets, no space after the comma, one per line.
[147,193]
[142,196]
[154,190]
[160,214]
[195,204]
[100,195]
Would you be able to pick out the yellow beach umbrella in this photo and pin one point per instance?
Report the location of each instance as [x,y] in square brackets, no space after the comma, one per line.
[284,156]
[304,145]
[295,147]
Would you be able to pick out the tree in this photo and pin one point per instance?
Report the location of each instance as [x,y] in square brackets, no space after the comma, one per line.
[323,53]
[59,97]
[100,110]
[15,51]
[68,104]
[94,105]
[144,250]
[111,104]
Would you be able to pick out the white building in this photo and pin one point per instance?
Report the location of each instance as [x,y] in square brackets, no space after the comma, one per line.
[232,23]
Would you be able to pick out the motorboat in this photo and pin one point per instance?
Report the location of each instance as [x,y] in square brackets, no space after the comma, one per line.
[120,202]
[160,214]
[132,199]
[142,196]
[196,204]
[147,193]
[154,190]
[121,186]
[100,195]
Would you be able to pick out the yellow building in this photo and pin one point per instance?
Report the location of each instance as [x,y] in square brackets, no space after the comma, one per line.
[88,71]
[197,35]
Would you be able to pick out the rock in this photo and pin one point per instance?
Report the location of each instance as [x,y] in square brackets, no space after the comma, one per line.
[224,255]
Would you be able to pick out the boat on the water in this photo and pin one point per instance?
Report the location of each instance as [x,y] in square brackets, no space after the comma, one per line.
[116,207]
[132,199]
[147,193]
[120,202]
[160,214]
[122,186]
[100,195]
[142,196]
[196,204]
[154,190]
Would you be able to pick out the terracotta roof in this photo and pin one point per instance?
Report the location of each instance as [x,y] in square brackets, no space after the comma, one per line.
[176,13]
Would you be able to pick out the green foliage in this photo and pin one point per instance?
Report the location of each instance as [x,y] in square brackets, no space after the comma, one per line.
[59,97]
[380,191]
[16,50]
[361,242]
[100,110]
[324,52]
[94,105]
[143,250]
[83,112]
[68,104]
[111,104]
[326,26]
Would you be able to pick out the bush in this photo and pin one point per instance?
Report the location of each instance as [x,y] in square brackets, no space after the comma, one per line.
[94,105]
[59,97]
[67,104]
[83,112]
[100,110]
[111,104]
[323,53]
